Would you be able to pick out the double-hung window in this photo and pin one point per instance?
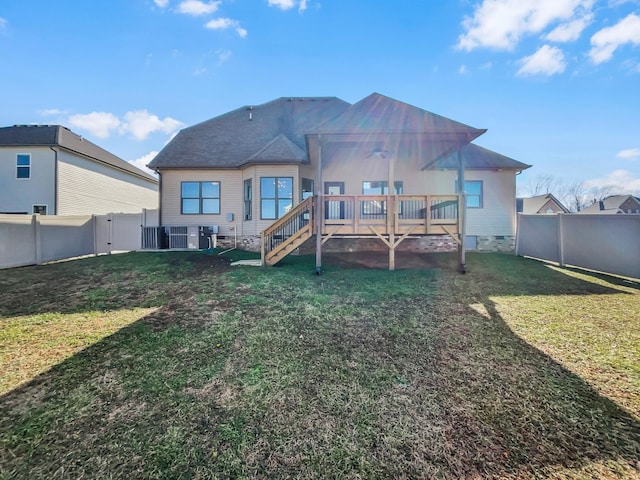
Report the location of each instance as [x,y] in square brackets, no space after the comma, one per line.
[276,197]
[473,189]
[23,165]
[200,198]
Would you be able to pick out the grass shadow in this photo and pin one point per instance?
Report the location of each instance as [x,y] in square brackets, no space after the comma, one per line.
[280,373]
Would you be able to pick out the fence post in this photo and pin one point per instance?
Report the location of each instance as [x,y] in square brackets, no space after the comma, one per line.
[37,235]
[560,217]
[109,232]
[95,234]
[518,226]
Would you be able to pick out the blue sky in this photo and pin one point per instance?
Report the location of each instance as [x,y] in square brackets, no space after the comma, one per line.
[555,82]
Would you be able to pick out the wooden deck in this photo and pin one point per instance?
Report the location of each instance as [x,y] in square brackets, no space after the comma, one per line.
[391,218]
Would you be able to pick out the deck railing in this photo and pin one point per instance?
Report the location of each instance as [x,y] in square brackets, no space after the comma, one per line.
[366,215]
[357,214]
[298,219]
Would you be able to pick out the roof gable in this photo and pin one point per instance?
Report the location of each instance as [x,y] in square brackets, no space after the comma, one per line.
[279,149]
[380,114]
[536,203]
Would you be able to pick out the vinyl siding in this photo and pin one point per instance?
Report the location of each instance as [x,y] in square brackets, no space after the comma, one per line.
[231,197]
[19,195]
[87,187]
[498,213]
[496,217]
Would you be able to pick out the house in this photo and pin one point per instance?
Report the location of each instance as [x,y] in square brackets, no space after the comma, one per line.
[272,176]
[615,204]
[540,204]
[50,170]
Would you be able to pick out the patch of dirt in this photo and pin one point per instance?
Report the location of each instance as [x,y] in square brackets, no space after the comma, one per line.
[380,260]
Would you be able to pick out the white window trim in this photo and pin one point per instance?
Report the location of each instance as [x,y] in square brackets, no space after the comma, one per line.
[30,166]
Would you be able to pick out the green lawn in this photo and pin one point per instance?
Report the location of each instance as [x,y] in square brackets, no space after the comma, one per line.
[175,365]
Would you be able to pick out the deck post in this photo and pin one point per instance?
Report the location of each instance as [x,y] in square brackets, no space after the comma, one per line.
[319,210]
[391,207]
[462,214]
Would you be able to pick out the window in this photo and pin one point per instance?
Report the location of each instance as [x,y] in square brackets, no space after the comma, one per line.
[23,165]
[473,189]
[307,188]
[40,209]
[248,197]
[276,197]
[380,188]
[375,207]
[200,198]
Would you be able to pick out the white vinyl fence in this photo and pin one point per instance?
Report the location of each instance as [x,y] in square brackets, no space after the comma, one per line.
[36,239]
[606,243]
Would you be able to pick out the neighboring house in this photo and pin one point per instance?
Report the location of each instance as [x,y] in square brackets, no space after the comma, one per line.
[50,170]
[615,204]
[264,168]
[543,204]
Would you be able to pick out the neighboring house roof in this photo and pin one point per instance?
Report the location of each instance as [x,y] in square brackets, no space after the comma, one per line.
[537,203]
[479,158]
[610,204]
[59,136]
[251,134]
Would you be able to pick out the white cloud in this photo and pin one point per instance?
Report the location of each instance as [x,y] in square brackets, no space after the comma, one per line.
[141,124]
[568,32]
[223,56]
[49,112]
[501,24]
[546,61]
[282,4]
[629,154]
[3,23]
[288,4]
[99,124]
[607,40]
[618,182]
[142,162]
[196,7]
[463,70]
[223,23]
[161,3]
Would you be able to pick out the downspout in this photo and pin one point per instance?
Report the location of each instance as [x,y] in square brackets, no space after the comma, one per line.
[55,181]
[159,197]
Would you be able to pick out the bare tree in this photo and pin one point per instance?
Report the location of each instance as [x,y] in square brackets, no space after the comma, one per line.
[575,197]
[601,192]
[541,184]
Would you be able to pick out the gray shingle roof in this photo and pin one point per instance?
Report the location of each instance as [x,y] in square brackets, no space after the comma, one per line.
[59,136]
[280,149]
[275,132]
[380,114]
[479,158]
[249,134]
[613,202]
